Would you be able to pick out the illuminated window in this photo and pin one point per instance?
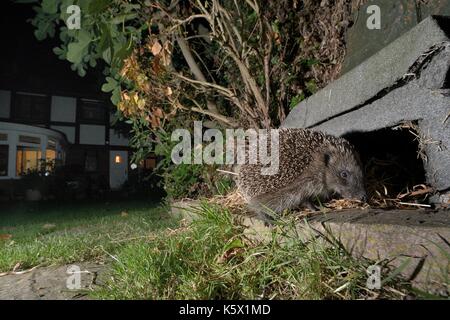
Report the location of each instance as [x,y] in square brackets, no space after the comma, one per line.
[50,159]
[51,144]
[27,160]
[148,163]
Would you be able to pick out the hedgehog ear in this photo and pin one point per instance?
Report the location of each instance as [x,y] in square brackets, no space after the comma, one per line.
[326,159]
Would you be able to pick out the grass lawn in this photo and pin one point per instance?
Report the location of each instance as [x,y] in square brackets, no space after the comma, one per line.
[34,234]
[156,258]
[212,258]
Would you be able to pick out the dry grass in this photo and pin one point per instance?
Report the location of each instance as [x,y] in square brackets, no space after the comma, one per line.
[422,139]
[234,202]
[411,199]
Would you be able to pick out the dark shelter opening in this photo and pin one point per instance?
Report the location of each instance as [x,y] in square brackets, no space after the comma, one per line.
[391,159]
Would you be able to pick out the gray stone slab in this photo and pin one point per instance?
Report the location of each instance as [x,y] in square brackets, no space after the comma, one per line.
[407,103]
[417,238]
[49,283]
[371,77]
[437,71]
[397,17]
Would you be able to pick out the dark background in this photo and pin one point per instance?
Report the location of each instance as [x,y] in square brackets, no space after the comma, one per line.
[30,65]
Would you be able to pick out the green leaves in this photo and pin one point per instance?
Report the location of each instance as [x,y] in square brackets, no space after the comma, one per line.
[296,100]
[235,243]
[312,86]
[123,17]
[50,6]
[60,52]
[110,84]
[77,50]
[98,6]
[110,30]
[113,86]
[44,24]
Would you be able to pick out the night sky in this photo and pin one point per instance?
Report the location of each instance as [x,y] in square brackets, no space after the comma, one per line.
[30,65]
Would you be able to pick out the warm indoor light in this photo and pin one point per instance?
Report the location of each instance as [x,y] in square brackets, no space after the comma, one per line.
[118,159]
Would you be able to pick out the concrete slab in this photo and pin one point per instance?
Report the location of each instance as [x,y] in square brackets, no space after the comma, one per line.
[417,238]
[397,17]
[372,77]
[49,283]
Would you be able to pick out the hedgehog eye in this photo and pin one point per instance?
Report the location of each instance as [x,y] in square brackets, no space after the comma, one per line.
[344,174]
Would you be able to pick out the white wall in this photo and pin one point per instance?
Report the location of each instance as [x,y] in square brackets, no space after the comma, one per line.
[5,102]
[63,109]
[92,134]
[68,131]
[117,140]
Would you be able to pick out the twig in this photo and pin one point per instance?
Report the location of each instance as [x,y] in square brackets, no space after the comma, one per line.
[228,172]
[446,118]
[18,272]
[224,119]
[415,204]
[416,193]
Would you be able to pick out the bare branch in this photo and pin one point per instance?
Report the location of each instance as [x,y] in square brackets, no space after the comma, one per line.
[187,53]
[229,121]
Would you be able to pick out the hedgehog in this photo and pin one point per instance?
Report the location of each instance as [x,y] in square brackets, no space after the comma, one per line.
[312,165]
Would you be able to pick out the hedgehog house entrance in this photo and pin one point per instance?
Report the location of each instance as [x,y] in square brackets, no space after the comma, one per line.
[391,161]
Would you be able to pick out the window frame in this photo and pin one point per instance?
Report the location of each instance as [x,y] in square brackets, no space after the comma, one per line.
[81,119]
[5,147]
[28,148]
[30,118]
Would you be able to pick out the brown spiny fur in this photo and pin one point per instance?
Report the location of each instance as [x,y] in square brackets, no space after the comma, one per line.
[310,166]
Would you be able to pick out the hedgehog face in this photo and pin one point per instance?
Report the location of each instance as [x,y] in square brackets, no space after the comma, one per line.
[343,174]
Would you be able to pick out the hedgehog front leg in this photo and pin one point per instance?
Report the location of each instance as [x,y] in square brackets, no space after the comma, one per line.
[269,205]
[262,210]
[310,205]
